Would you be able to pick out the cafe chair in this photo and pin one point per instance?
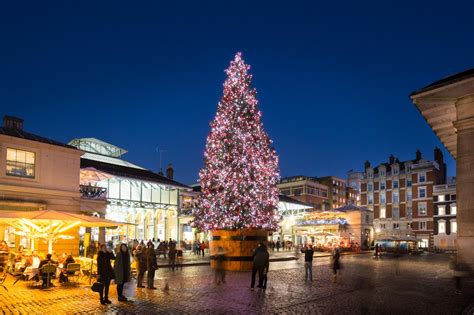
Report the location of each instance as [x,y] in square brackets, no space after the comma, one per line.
[3,277]
[73,270]
[47,272]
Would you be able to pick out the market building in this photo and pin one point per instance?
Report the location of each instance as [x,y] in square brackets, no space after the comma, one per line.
[448,107]
[37,173]
[445,208]
[149,201]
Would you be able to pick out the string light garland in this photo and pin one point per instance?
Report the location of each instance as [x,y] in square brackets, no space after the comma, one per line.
[240,173]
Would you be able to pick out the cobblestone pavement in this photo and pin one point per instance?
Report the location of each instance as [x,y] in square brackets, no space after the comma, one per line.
[408,285]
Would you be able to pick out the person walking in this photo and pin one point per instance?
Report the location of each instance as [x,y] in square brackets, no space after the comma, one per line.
[152,265]
[179,258]
[278,244]
[219,276]
[308,262]
[122,270]
[335,264]
[140,260]
[105,272]
[172,256]
[261,263]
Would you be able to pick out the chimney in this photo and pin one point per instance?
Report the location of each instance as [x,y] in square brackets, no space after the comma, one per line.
[366,164]
[391,159]
[438,155]
[161,172]
[169,171]
[418,155]
[10,122]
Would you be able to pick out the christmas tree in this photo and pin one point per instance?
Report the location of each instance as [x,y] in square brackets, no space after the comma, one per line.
[239,178]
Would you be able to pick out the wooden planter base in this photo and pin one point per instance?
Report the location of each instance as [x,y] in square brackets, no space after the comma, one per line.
[238,246]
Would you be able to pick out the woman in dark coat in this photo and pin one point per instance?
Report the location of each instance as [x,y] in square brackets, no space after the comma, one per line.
[152,265]
[122,270]
[105,273]
[140,259]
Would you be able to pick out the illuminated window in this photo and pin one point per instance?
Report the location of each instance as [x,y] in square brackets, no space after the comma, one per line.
[422,210]
[453,208]
[441,227]
[383,212]
[408,196]
[441,198]
[441,210]
[454,226]
[20,163]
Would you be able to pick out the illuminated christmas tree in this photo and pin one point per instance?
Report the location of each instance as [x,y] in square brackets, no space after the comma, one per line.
[240,174]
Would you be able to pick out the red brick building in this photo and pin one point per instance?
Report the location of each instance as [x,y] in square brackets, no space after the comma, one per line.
[401,196]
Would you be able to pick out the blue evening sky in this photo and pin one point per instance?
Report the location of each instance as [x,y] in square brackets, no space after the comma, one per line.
[333,77]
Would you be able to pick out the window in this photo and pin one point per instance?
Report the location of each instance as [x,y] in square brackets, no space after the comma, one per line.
[407,168]
[382,185]
[454,226]
[382,226]
[422,208]
[453,197]
[383,212]
[370,187]
[408,182]
[382,172]
[408,196]
[297,191]
[421,192]
[408,225]
[286,192]
[371,199]
[395,213]
[395,171]
[395,184]
[453,208]
[409,212]
[20,163]
[441,227]
[422,177]
[422,225]
[396,226]
[441,210]
[367,218]
[395,197]
[441,198]
[382,197]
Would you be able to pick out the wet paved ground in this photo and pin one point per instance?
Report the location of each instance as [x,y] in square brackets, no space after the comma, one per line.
[410,285]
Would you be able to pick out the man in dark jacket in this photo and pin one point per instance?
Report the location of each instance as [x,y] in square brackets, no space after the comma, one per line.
[151,265]
[46,276]
[308,261]
[261,263]
[141,263]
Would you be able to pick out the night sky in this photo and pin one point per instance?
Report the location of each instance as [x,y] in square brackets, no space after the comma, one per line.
[333,78]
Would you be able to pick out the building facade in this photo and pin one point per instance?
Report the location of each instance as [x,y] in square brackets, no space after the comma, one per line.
[336,190]
[307,190]
[148,200]
[445,224]
[37,173]
[401,196]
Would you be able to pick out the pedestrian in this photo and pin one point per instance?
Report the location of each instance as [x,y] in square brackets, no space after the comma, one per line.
[140,261]
[202,247]
[335,264]
[172,256]
[179,258]
[219,276]
[105,272]
[152,266]
[376,251]
[278,245]
[308,262]
[122,270]
[261,262]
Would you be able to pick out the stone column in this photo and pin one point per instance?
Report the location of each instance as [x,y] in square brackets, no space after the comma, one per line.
[465,179]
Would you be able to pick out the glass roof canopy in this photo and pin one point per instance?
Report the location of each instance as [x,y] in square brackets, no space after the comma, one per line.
[94,145]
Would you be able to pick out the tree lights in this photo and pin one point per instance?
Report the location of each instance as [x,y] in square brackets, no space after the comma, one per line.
[240,172]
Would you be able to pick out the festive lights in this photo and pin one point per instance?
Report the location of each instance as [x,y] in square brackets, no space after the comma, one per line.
[239,178]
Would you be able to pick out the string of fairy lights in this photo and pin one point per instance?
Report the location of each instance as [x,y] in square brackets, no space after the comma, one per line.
[240,172]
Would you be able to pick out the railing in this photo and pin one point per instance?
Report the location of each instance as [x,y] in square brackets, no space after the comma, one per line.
[93,192]
[438,188]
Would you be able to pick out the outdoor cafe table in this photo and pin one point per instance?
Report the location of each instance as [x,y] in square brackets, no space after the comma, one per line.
[30,272]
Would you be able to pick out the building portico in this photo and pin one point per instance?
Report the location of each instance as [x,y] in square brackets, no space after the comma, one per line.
[448,107]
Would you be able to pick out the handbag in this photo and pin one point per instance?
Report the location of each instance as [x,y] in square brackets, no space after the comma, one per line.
[129,288]
[97,286]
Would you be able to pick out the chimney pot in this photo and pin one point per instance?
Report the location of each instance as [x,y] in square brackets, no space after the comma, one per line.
[169,171]
[10,122]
